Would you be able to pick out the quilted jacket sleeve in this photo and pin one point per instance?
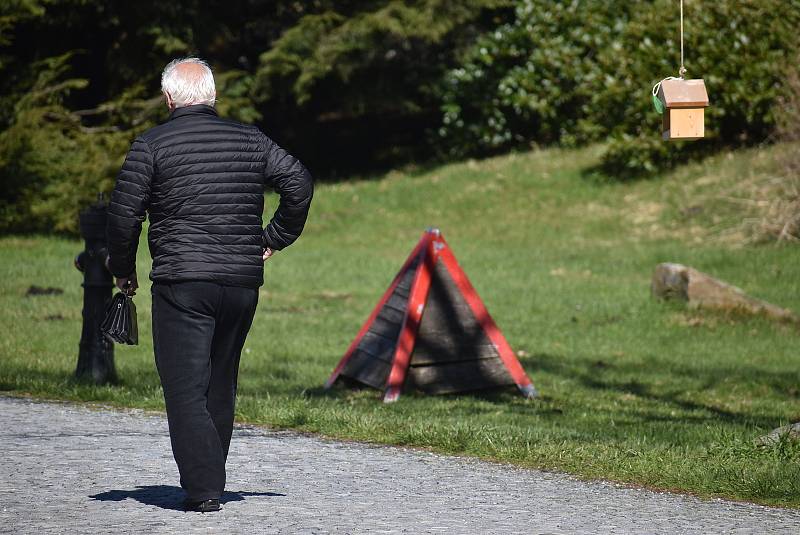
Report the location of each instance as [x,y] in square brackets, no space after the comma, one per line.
[126,211]
[292,181]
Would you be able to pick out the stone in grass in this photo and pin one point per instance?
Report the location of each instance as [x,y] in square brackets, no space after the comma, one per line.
[787,432]
[676,281]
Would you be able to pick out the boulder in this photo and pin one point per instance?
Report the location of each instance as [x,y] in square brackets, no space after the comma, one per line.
[790,432]
[676,281]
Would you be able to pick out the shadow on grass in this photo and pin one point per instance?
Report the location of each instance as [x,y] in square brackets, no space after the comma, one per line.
[64,381]
[168,496]
[595,376]
[508,396]
[609,376]
[17,378]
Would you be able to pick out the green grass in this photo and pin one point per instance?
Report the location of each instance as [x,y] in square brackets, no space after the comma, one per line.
[633,390]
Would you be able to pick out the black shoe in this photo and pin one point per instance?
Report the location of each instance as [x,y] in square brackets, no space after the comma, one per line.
[204,506]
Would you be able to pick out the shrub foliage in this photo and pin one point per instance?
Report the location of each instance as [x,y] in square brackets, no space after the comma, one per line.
[354,86]
[580,71]
[345,85]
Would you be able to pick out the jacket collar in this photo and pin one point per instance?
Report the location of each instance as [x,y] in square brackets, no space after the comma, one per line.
[196,109]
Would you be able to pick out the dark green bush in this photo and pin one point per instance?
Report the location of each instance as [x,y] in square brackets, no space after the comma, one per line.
[346,86]
[353,86]
[580,71]
[48,165]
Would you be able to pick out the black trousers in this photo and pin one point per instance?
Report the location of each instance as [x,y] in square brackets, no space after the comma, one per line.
[199,329]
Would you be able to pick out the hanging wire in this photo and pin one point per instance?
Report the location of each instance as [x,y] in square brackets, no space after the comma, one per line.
[657,103]
[682,70]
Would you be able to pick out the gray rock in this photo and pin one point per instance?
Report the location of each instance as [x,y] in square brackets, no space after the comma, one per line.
[790,432]
[676,281]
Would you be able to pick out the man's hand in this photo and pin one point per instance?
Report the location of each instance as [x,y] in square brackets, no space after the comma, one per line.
[123,281]
[266,254]
[122,284]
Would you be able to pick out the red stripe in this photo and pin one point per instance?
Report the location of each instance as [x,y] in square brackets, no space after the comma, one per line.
[485,320]
[364,328]
[412,320]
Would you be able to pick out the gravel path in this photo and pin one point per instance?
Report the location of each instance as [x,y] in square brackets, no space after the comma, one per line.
[72,469]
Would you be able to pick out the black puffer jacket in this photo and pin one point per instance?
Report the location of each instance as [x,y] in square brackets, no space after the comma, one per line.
[202,180]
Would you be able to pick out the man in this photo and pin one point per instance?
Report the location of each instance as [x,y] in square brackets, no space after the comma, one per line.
[201,179]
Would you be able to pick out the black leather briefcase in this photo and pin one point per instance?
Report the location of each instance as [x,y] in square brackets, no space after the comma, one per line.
[120,324]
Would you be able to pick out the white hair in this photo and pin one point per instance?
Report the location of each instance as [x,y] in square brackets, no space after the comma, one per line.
[186,89]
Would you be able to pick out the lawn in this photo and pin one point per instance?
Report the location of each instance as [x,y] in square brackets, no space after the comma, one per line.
[632,389]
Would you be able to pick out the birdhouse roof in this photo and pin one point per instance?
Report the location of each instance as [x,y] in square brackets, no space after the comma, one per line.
[679,93]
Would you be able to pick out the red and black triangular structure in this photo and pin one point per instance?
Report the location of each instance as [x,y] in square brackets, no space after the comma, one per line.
[432,332]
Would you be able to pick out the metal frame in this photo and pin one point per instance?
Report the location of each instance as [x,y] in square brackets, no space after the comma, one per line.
[364,328]
[416,306]
[432,248]
[488,325]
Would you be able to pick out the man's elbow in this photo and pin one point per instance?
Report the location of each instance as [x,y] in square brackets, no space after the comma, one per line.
[298,191]
[306,188]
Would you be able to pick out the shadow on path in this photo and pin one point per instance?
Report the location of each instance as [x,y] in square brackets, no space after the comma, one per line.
[168,496]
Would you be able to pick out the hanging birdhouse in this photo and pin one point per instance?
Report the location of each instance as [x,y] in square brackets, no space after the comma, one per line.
[684,104]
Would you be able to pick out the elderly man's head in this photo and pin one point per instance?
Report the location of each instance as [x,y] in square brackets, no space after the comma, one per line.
[188,81]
